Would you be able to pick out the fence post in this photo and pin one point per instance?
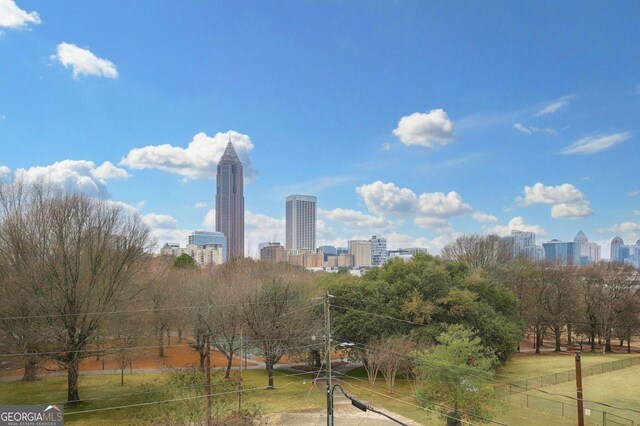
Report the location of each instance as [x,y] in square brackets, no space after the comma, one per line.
[604,418]
[527,400]
[563,409]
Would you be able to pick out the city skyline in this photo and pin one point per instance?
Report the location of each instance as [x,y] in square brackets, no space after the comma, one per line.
[420,123]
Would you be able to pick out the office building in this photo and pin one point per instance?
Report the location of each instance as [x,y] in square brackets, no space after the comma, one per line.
[230,201]
[563,253]
[204,238]
[207,255]
[272,252]
[300,223]
[379,254]
[619,252]
[587,252]
[327,251]
[521,243]
[361,251]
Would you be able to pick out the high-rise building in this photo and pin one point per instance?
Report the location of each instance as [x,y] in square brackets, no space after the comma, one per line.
[379,254]
[300,223]
[619,252]
[521,243]
[361,251]
[563,253]
[230,201]
[588,252]
[205,238]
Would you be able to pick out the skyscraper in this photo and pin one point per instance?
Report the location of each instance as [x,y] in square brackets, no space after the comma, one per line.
[361,251]
[230,201]
[300,223]
[379,254]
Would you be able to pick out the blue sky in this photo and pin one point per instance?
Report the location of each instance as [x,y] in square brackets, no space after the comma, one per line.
[416,120]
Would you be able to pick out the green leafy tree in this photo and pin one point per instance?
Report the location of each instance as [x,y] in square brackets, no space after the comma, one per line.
[184,261]
[452,376]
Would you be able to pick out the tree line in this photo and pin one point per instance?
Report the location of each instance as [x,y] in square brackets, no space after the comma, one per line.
[78,279]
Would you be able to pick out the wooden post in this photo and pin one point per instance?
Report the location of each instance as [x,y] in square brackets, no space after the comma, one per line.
[207,386]
[240,376]
[579,390]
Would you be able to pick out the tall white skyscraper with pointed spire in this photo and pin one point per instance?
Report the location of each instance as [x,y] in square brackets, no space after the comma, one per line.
[230,201]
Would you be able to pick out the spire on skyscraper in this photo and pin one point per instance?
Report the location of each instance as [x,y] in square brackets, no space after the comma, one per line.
[230,201]
[229,154]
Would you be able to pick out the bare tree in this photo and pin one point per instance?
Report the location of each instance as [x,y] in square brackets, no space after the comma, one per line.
[220,316]
[395,357]
[276,312]
[478,251]
[83,255]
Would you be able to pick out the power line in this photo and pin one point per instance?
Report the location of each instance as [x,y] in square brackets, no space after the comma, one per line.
[418,399]
[129,311]
[124,348]
[452,367]
[167,387]
[174,400]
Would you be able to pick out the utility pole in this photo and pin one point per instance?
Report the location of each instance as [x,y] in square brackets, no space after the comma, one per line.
[327,333]
[579,388]
[207,386]
[240,376]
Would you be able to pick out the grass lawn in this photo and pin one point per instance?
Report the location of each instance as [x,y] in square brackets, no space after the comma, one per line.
[612,387]
[617,388]
[295,392]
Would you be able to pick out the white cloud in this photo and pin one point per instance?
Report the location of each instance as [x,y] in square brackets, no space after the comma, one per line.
[387,198]
[556,105]
[168,235]
[260,228]
[636,212]
[202,204]
[209,220]
[530,130]
[628,231]
[354,218]
[516,224]
[386,146]
[397,240]
[431,222]
[11,16]
[75,176]
[108,171]
[163,221]
[483,217]
[566,200]
[593,144]
[437,204]
[83,61]
[431,209]
[425,129]
[634,193]
[522,128]
[4,170]
[197,161]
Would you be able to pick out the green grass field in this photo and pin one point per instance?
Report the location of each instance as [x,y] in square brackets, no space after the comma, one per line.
[296,392]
